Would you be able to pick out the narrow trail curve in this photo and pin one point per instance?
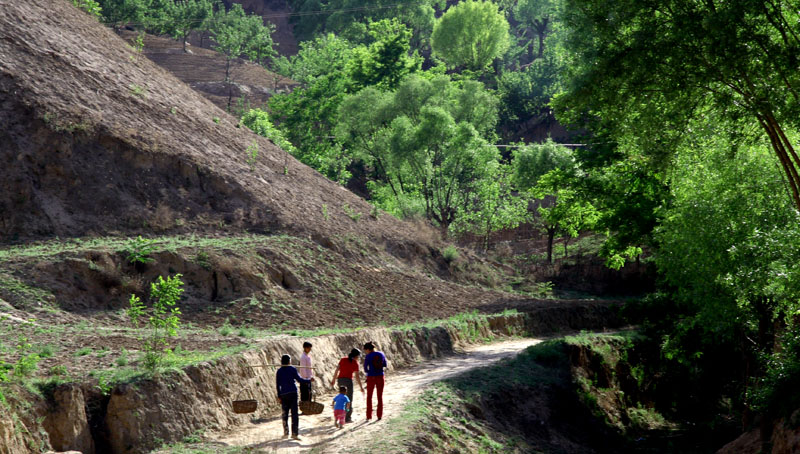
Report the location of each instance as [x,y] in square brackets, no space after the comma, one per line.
[318,432]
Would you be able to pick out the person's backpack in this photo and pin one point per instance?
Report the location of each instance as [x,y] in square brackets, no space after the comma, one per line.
[377,363]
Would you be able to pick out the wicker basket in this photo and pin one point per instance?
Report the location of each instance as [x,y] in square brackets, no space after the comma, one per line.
[245,406]
[311,407]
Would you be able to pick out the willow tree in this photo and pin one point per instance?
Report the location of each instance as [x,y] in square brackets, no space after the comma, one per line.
[646,69]
[470,34]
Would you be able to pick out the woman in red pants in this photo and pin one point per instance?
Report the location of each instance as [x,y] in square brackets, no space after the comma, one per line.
[374,365]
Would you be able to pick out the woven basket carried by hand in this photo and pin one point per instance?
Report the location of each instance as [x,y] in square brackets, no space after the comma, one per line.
[245,406]
[309,407]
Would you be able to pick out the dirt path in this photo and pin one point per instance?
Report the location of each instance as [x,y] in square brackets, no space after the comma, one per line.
[318,432]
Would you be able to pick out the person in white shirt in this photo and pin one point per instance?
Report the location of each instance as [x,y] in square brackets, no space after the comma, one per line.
[306,372]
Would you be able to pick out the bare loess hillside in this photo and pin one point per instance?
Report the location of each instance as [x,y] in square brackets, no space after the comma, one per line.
[97,139]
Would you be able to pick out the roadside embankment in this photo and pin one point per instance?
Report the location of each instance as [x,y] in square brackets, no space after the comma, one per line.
[137,417]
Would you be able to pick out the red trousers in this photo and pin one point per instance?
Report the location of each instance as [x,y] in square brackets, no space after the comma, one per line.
[372,383]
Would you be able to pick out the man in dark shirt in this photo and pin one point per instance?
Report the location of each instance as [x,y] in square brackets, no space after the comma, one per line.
[287,393]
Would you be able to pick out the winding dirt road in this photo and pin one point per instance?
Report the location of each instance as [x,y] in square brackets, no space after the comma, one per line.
[318,432]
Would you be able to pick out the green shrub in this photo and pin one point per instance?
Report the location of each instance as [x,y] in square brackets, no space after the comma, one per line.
[138,250]
[46,351]
[450,254]
[26,365]
[59,370]
[90,6]
[163,318]
[351,213]
[252,155]
[122,361]
[83,351]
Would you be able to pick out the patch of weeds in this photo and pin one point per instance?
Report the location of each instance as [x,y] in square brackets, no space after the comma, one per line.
[246,332]
[59,370]
[450,254]
[24,295]
[215,119]
[203,260]
[351,213]
[83,351]
[122,360]
[46,351]
[138,250]
[225,330]
[375,212]
[138,91]
[325,211]
[194,437]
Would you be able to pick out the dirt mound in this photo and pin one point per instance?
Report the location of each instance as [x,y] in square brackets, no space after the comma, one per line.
[98,140]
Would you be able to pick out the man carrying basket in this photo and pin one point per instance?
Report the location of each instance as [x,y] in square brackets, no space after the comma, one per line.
[287,393]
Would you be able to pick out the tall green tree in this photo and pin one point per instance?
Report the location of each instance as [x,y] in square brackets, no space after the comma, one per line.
[425,140]
[494,205]
[645,69]
[118,13]
[185,16]
[387,60]
[238,34]
[309,113]
[550,173]
[729,250]
[537,19]
[470,34]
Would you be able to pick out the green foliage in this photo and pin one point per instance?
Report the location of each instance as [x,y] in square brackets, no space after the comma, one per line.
[90,6]
[386,61]
[537,19]
[308,114]
[238,34]
[423,140]
[493,206]
[60,370]
[470,34]
[346,17]
[28,362]
[450,253]
[182,17]
[252,155]
[117,13]
[138,250]
[258,121]
[351,213]
[549,172]
[163,318]
[730,241]
[526,94]
[656,66]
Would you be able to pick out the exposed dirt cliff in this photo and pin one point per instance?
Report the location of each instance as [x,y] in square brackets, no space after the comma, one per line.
[97,140]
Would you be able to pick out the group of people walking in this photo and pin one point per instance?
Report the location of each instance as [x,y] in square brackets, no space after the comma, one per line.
[348,369]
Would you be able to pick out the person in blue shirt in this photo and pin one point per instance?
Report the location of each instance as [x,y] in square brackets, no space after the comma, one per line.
[374,365]
[287,393]
[341,403]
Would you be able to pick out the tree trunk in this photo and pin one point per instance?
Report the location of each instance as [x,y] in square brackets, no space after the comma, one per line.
[551,233]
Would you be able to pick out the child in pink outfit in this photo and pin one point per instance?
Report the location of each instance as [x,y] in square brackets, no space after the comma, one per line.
[340,405]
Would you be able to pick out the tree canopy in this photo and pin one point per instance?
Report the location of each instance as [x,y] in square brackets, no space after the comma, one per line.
[470,34]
